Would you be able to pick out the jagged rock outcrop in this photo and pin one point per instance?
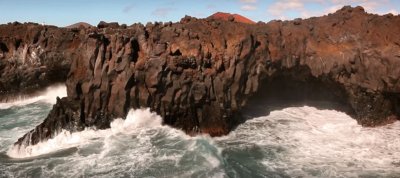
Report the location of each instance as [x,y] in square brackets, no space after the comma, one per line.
[66,114]
[33,56]
[200,73]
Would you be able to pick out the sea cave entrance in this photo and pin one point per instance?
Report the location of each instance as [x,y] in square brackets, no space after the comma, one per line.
[296,87]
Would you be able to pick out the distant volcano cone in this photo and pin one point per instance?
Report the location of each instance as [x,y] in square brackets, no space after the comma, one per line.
[231,17]
[79,25]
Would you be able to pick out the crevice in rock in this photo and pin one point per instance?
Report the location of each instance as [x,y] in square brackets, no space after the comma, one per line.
[36,37]
[395,101]
[3,47]
[82,112]
[256,45]
[17,43]
[78,89]
[176,53]
[136,49]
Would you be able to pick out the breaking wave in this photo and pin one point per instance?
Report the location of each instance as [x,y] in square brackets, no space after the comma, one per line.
[137,121]
[49,95]
[293,142]
[308,142]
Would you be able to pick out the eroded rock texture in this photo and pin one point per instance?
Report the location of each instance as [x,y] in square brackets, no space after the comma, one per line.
[34,56]
[199,74]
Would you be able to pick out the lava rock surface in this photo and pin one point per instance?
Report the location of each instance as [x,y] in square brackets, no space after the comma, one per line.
[198,74]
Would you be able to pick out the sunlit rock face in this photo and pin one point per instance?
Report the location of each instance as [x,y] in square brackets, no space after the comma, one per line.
[198,74]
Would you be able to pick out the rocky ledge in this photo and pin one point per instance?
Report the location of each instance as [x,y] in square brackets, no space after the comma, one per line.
[199,74]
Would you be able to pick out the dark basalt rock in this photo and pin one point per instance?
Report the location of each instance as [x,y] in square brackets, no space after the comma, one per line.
[34,56]
[66,114]
[199,74]
[103,24]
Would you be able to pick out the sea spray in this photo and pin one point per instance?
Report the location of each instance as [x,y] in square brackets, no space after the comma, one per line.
[136,121]
[49,95]
[308,142]
[140,137]
[293,142]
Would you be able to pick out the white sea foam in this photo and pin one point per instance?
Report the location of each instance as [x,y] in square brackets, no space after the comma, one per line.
[297,142]
[137,121]
[322,143]
[139,142]
[49,95]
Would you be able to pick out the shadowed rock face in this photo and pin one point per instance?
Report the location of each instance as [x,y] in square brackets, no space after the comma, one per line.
[199,74]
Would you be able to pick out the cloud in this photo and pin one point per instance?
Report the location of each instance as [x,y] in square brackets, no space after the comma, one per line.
[248,1]
[280,8]
[371,6]
[162,11]
[211,6]
[393,11]
[199,14]
[248,5]
[128,8]
[248,8]
[284,9]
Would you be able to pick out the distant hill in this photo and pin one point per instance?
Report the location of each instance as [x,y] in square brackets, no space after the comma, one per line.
[79,25]
[234,17]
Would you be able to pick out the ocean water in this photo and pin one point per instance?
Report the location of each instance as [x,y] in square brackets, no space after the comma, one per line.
[292,142]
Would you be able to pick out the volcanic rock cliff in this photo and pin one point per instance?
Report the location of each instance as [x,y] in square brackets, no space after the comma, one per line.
[34,56]
[200,73]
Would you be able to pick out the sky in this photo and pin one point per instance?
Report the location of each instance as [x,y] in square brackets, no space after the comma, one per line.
[67,12]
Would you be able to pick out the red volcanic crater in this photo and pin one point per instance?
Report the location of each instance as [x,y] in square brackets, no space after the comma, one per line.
[231,17]
[79,25]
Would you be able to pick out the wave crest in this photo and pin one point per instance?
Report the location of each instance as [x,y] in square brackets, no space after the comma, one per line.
[49,95]
[136,121]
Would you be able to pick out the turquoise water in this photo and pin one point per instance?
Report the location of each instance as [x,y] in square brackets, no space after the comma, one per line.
[293,142]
